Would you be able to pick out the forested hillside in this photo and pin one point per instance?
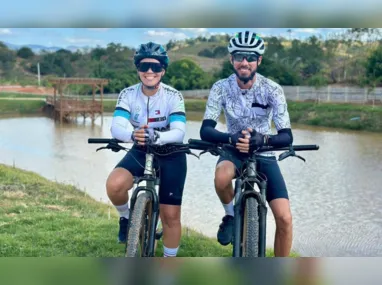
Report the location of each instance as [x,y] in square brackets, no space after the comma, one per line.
[351,58]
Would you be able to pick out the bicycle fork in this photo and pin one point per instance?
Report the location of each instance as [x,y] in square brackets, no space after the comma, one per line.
[152,187]
[241,194]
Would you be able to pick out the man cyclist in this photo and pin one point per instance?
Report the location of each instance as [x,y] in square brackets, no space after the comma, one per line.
[150,112]
[250,101]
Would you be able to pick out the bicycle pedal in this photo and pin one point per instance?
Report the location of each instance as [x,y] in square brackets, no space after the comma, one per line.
[158,235]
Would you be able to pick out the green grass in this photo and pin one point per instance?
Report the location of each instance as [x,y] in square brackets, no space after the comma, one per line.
[345,116]
[20,95]
[20,106]
[39,217]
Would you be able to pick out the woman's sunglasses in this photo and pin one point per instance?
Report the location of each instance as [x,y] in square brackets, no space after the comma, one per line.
[145,66]
[240,57]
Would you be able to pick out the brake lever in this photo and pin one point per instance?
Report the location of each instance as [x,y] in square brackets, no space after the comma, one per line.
[284,155]
[112,146]
[197,156]
[291,152]
[103,147]
[300,157]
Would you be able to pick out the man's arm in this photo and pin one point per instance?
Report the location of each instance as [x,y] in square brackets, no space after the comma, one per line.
[211,116]
[210,134]
[283,138]
[281,119]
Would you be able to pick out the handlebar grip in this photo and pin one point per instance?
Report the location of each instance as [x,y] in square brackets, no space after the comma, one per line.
[200,144]
[102,141]
[306,147]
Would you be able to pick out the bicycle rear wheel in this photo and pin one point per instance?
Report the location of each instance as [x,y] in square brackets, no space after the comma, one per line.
[140,222]
[250,241]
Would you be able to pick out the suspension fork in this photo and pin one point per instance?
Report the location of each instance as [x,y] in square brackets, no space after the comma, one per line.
[151,187]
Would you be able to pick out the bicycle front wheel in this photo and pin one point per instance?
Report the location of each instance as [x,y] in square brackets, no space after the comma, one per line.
[140,222]
[250,242]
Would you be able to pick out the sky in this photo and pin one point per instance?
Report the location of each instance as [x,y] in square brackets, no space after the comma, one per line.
[190,13]
[132,37]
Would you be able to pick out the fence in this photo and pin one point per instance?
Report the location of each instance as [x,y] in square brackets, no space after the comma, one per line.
[307,93]
[324,94]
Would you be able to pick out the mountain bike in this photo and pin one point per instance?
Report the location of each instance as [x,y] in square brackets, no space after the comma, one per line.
[250,209]
[143,230]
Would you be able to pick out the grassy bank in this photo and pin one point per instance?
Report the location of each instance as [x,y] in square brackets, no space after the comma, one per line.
[39,217]
[20,95]
[346,116]
[20,106]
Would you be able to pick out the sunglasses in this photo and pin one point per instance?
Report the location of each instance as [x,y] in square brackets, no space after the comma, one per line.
[145,66]
[248,56]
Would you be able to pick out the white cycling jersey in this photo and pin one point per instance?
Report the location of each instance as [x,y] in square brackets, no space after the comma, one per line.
[164,111]
[254,108]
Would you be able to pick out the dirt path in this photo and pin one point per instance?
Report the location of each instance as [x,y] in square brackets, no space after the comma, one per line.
[27,89]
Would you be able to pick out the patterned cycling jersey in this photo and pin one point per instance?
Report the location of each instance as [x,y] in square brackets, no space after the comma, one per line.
[163,111]
[254,108]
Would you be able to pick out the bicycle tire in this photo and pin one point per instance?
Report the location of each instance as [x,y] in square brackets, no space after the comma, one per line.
[250,243]
[139,227]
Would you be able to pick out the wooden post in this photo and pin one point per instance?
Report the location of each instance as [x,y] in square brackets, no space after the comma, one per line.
[54,102]
[60,88]
[101,98]
[92,107]
[55,91]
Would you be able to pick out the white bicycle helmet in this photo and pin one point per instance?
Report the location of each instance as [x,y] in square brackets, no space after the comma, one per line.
[246,42]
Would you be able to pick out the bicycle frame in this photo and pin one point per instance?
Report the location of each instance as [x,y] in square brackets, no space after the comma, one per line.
[244,189]
[152,187]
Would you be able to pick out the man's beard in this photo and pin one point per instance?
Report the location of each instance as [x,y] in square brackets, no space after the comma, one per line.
[245,79]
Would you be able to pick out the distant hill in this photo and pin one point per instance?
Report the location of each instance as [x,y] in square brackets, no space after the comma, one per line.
[38,48]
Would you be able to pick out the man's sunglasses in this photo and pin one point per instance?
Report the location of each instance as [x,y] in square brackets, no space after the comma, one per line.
[248,56]
[145,66]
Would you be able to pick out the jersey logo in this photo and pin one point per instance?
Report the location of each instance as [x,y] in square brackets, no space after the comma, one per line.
[152,120]
[157,112]
[260,106]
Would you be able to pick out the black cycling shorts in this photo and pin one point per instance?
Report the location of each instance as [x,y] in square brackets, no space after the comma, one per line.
[172,173]
[268,166]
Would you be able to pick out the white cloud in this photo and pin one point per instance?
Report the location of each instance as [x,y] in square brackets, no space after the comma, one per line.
[166,35]
[217,33]
[99,29]
[83,41]
[307,30]
[195,30]
[5,32]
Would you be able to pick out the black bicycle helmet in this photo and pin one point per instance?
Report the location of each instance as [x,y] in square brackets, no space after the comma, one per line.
[151,50]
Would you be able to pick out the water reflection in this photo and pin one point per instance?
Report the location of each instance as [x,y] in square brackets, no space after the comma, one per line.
[335,198]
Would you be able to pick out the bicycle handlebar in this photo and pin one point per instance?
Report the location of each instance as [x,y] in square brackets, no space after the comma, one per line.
[115,146]
[102,141]
[217,148]
[213,148]
[203,145]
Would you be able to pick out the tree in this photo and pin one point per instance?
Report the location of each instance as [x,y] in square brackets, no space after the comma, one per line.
[185,74]
[25,52]
[374,64]
[206,53]
[7,59]
[220,52]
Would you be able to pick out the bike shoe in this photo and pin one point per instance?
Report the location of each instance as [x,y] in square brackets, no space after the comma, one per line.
[122,235]
[225,232]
